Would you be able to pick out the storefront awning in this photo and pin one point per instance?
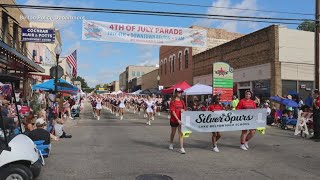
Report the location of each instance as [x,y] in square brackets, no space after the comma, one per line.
[34,66]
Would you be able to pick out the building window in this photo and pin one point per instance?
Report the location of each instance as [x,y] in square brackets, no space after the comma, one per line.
[170,62]
[180,61]
[304,88]
[186,58]
[173,62]
[138,73]
[288,86]
[5,27]
[15,36]
[161,67]
[133,74]
[165,66]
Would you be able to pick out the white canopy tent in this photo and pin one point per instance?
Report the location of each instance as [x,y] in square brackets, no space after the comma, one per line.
[198,89]
[119,92]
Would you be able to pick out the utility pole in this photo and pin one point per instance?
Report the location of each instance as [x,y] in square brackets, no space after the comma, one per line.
[316,45]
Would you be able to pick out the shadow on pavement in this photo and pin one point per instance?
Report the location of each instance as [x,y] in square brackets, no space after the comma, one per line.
[150,144]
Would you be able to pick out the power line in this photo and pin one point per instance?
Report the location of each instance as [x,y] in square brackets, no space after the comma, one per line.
[159,13]
[218,7]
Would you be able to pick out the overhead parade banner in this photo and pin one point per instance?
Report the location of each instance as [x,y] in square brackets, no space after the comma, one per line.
[206,121]
[143,34]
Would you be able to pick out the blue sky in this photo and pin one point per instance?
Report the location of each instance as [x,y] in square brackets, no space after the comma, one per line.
[102,62]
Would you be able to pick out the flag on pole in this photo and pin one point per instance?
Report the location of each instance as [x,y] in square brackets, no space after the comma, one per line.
[72,59]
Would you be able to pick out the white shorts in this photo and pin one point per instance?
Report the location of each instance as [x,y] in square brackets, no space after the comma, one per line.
[98,107]
[122,106]
[149,110]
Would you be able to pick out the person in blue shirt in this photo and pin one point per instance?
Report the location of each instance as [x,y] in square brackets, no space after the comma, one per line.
[309,101]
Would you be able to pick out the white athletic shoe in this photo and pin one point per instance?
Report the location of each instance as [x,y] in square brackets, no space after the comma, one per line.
[168,116]
[121,117]
[158,113]
[215,149]
[117,114]
[182,151]
[243,147]
[171,146]
[246,145]
[152,118]
[149,123]
[98,118]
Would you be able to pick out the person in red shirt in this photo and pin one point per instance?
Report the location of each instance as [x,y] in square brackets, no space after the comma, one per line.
[316,115]
[176,107]
[246,103]
[215,106]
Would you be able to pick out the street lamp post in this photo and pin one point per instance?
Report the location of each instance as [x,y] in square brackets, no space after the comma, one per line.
[57,50]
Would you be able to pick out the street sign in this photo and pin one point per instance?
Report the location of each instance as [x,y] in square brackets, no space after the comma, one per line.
[53,72]
[40,35]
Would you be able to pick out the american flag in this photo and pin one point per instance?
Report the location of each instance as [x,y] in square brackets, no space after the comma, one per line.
[5,89]
[72,59]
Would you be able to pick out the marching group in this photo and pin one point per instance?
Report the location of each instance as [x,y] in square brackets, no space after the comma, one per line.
[118,104]
[150,105]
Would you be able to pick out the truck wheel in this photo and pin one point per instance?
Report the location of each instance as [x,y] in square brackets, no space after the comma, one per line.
[17,172]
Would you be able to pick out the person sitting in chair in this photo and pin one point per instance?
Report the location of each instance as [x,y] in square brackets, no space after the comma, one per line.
[40,133]
[58,127]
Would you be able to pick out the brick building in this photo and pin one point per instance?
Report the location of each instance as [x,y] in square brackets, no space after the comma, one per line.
[149,80]
[15,59]
[176,64]
[132,72]
[270,61]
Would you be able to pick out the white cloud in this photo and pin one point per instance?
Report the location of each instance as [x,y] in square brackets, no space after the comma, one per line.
[69,34]
[108,50]
[75,46]
[84,66]
[232,26]
[105,76]
[147,57]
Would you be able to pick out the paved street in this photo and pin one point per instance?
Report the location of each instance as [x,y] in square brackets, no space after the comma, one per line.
[114,149]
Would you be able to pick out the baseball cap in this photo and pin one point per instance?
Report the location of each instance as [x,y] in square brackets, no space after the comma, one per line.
[40,121]
[179,90]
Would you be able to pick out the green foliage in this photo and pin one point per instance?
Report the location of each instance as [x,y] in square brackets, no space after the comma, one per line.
[84,84]
[97,86]
[307,26]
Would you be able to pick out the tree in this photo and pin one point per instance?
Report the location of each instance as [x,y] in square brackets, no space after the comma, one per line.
[84,84]
[105,86]
[98,86]
[307,26]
